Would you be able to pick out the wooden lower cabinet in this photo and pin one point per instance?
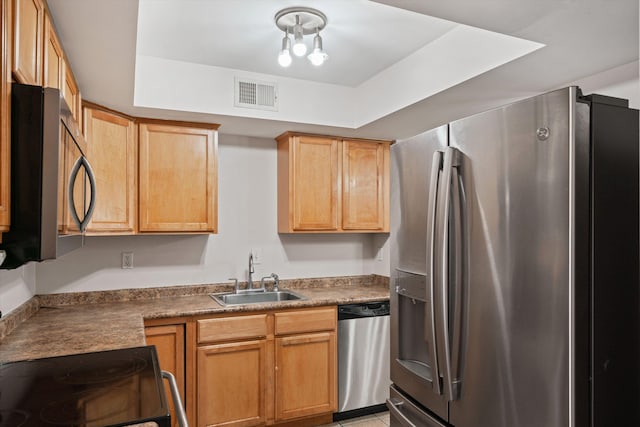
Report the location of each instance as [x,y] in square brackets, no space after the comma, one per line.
[266,368]
[305,375]
[231,384]
[170,346]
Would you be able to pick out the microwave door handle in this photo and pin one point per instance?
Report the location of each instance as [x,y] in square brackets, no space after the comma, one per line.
[450,159]
[430,315]
[92,186]
[73,176]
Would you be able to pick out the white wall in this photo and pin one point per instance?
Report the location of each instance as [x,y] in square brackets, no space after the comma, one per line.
[247,219]
[183,86]
[16,287]
[621,82]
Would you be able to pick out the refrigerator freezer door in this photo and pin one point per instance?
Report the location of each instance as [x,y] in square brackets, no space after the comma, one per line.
[404,413]
[414,172]
[514,369]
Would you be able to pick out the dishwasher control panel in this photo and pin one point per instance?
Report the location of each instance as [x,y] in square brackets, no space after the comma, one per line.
[370,309]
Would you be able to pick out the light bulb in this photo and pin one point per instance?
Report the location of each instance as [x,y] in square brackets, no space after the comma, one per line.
[284,58]
[299,48]
[317,56]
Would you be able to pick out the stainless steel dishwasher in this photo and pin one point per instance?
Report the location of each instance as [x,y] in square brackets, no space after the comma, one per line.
[363,359]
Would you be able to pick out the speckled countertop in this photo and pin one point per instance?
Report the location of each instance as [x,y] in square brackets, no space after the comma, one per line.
[71,328]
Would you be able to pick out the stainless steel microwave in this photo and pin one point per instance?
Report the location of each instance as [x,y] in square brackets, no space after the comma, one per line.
[52,185]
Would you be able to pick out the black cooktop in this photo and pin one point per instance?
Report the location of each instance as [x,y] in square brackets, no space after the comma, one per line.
[108,388]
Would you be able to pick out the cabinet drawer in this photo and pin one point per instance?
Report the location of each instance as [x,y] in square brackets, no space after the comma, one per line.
[232,328]
[294,322]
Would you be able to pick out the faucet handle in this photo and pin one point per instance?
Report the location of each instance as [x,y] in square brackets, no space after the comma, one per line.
[276,281]
[235,284]
[262,281]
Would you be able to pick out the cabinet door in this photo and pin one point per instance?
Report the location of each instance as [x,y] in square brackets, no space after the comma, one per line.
[178,179]
[53,56]
[70,91]
[231,384]
[363,185]
[315,189]
[27,41]
[5,116]
[170,345]
[111,142]
[305,375]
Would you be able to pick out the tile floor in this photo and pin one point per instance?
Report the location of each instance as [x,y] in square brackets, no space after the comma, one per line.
[381,419]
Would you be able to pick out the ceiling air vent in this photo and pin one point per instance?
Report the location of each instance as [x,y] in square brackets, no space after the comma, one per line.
[256,94]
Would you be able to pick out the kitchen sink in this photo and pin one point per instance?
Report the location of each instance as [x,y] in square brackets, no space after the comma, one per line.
[256,297]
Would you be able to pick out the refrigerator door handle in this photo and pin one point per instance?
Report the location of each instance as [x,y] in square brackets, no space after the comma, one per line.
[430,315]
[451,159]
[459,201]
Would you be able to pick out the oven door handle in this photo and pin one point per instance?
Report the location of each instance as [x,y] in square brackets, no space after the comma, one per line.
[175,396]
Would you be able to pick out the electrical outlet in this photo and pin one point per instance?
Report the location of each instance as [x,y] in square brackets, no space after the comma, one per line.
[127,259]
[257,255]
[380,255]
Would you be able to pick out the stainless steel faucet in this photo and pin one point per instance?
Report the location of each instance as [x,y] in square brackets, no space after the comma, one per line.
[251,271]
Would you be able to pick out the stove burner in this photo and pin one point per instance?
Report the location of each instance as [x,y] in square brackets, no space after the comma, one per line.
[115,370]
[13,418]
[96,407]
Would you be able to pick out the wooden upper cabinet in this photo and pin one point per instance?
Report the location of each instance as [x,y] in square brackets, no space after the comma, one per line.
[28,29]
[365,185]
[112,152]
[327,184]
[308,184]
[178,178]
[53,56]
[5,114]
[71,92]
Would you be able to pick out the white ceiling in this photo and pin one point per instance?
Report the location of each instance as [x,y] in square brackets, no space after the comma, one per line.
[364,39]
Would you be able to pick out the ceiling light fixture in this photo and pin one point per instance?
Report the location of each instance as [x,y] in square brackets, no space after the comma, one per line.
[301,21]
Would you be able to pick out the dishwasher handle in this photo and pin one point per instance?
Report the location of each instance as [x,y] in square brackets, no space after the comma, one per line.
[175,396]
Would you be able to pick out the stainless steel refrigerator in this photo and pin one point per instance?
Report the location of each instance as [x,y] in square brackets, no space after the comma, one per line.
[514,268]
